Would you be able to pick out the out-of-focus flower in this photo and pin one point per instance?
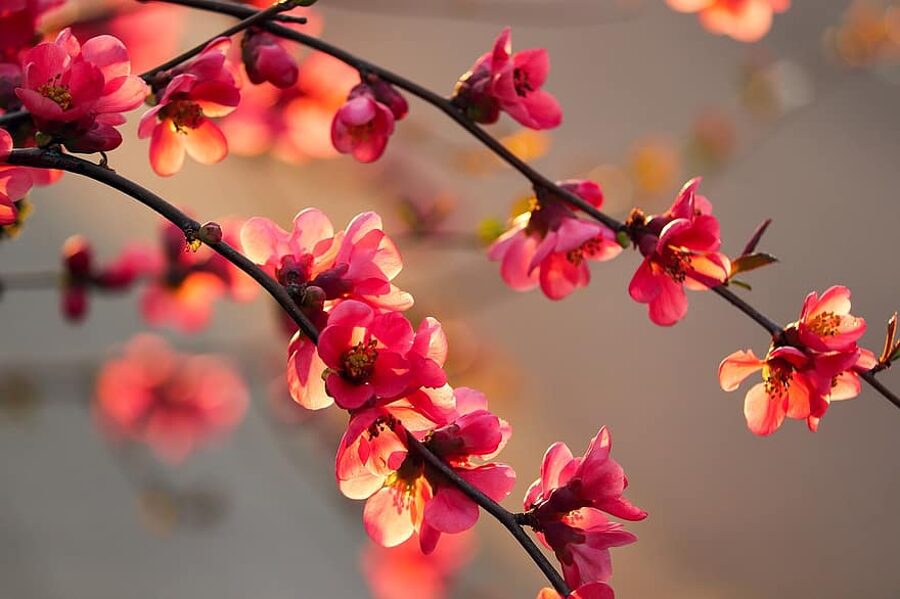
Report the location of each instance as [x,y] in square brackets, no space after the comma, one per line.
[816,361]
[713,140]
[19,21]
[151,32]
[188,97]
[81,274]
[743,20]
[15,183]
[363,124]
[173,402]
[404,571]
[184,284]
[500,80]
[680,249]
[550,246]
[76,94]
[868,35]
[593,590]
[294,124]
[654,166]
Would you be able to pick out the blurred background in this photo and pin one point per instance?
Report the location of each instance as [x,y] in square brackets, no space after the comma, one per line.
[802,126]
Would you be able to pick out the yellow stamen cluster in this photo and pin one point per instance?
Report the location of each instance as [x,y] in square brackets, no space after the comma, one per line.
[826,324]
[60,94]
[184,115]
[359,362]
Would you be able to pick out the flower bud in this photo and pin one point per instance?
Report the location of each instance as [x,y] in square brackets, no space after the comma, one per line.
[472,94]
[266,60]
[77,257]
[210,233]
[384,93]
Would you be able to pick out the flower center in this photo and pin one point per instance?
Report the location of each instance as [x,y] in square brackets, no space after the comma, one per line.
[587,249]
[184,114]
[60,94]
[359,362]
[825,324]
[676,264]
[361,133]
[381,424]
[521,83]
[777,377]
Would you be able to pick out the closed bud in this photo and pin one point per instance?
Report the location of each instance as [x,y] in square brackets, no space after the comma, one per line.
[210,233]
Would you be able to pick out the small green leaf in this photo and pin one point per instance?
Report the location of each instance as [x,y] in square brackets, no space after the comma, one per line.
[751,262]
[741,284]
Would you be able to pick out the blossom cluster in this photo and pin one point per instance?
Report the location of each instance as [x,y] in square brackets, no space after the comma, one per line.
[814,361]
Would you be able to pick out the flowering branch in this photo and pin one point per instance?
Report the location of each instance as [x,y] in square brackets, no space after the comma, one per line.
[540,182]
[210,234]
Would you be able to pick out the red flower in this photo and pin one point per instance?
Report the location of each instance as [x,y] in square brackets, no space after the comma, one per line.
[77,94]
[363,124]
[743,20]
[680,249]
[593,590]
[813,363]
[80,275]
[550,246]
[370,354]
[500,80]
[174,403]
[19,21]
[202,89]
[266,60]
[15,182]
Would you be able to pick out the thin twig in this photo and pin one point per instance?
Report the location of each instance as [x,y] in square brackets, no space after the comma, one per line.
[538,180]
[46,159]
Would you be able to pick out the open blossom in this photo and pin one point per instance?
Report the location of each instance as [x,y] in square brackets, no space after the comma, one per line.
[361,126]
[77,93]
[19,20]
[15,182]
[172,402]
[321,268]
[266,60]
[81,275]
[680,249]
[550,246]
[405,496]
[404,571]
[565,504]
[814,362]
[197,91]
[184,284]
[370,354]
[593,590]
[743,20]
[500,80]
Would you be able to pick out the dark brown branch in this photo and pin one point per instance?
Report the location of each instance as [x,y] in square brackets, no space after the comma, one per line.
[36,158]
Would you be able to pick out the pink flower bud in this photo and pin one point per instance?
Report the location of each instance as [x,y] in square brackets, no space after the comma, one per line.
[266,60]
[77,257]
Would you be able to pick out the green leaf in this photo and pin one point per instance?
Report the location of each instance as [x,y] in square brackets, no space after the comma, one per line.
[751,262]
[741,284]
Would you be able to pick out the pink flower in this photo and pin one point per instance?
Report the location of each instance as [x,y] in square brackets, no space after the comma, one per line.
[550,246]
[15,182]
[680,249]
[743,20]
[184,284]
[361,127]
[19,20]
[500,80]
[266,60]
[76,94]
[172,402]
[80,275]
[826,324]
[581,540]
[593,590]
[404,571]
[370,354]
[200,90]
[564,506]
[814,362]
[568,483]
[405,496]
